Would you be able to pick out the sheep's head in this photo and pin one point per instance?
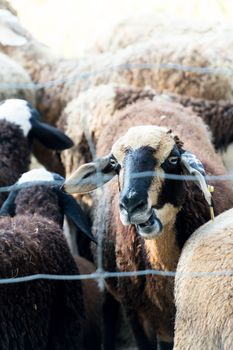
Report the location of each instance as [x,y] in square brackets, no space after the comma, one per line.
[141,158]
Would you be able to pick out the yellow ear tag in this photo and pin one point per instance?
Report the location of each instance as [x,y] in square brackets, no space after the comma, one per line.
[211,190]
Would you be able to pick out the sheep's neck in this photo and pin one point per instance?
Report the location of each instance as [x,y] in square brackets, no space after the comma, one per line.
[163,252]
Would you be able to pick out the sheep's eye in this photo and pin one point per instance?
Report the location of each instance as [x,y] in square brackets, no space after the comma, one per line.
[114,164]
[173,160]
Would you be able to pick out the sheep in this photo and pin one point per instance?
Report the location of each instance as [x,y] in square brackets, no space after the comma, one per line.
[4,4]
[204,303]
[12,74]
[19,125]
[145,221]
[71,75]
[89,113]
[139,28]
[218,116]
[85,116]
[40,314]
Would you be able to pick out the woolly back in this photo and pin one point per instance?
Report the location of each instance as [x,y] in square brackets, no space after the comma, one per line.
[14,154]
[40,200]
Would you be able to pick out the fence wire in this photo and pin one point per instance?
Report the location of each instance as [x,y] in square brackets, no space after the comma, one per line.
[120,68]
[100,275]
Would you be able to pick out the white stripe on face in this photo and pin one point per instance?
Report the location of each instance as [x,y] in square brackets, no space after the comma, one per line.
[16,111]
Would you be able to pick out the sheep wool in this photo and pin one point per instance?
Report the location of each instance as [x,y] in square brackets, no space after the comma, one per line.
[12,74]
[84,118]
[43,314]
[204,304]
[158,130]
[139,28]
[72,76]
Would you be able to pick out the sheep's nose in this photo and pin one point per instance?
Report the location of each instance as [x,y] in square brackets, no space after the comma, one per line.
[133,203]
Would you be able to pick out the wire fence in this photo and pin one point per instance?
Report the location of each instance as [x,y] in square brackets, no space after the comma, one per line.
[101,275]
[120,68]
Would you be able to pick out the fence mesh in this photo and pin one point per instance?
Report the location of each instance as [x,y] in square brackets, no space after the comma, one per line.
[100,275]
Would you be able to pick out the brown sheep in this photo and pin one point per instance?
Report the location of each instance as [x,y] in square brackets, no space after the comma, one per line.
[92,110]
[146,221]
[204,304]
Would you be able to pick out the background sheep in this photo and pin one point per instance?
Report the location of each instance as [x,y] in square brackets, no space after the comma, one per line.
[11,75]
[19,125]
[212,51]
[41,314]
[149,300]
[4,4]
[204,304]
[85,117]
[138,29]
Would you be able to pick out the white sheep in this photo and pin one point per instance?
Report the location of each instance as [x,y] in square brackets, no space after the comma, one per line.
[11,75]
[137,29]
[204,304]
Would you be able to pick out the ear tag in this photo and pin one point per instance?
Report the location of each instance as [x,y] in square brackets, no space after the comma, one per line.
[211,190]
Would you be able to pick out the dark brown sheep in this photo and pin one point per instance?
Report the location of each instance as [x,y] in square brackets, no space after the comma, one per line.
[40,314]
[218,115]
[145,221]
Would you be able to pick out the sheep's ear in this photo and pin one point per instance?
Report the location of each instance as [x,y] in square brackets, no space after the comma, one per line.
[192,166]
[49,136]
[92,175]
[75,213]
[8,207]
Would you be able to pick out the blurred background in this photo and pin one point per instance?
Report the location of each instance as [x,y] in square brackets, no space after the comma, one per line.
[72,26]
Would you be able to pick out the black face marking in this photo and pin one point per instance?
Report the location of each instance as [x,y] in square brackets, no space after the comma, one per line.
[173,191]
[138,161]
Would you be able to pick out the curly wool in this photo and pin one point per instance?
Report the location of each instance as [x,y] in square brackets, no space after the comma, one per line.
[151,297]
[89,113]
[204,304]
[39,314]
[13,73]
[212,50]
[41,202]
[14,155]
[216,114]
[85,117]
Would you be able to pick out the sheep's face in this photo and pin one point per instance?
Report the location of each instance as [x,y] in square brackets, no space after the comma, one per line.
[147,199]
[141,158]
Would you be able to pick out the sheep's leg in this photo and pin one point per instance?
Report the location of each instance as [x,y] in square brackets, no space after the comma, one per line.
[110,315]
[141,338]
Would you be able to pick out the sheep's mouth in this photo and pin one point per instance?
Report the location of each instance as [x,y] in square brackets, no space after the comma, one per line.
[150,228]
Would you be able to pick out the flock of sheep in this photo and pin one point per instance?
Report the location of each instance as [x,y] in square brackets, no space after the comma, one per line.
[124,125]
